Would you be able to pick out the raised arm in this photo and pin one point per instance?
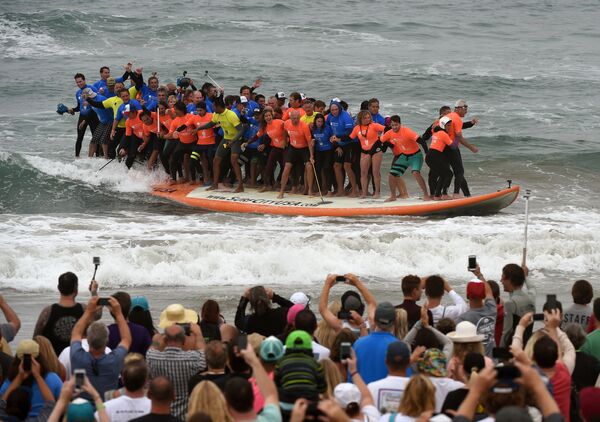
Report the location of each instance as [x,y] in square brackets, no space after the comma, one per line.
[265,384]
[121,323]
[353,280]
[332,320]
[365,393]
[10,315]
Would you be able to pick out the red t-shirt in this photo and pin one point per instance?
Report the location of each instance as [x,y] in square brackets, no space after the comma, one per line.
[404,141]
[299,134]
[561,384]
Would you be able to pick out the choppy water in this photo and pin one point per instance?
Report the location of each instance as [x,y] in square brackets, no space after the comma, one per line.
[531,72]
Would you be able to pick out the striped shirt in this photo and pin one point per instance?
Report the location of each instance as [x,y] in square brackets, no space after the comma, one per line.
[179,366]
[299,375]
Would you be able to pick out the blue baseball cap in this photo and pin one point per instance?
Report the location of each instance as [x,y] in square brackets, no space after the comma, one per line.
[140,302]
[80,410]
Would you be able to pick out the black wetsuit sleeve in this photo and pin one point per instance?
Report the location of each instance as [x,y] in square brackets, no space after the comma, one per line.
[423,144]
[76,108]
[94,103]
[240,314]
[467,125]
[346,138]
[281,301]
[125,140]
[138,79]
[427,134]
[126,76]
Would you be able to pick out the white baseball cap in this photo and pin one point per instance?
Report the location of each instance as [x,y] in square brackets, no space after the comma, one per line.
[444,121]
[346,393]
[243,99]
[300,298]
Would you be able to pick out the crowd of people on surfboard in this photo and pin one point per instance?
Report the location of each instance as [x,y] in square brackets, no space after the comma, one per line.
[445,357]
[201,135]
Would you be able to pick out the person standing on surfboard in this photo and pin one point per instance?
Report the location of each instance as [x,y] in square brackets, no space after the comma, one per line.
[371,155]
[405,143]
[232,133]
[437,161]
[300,149]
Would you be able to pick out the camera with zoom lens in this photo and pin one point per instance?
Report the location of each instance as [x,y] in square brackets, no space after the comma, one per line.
[183,82]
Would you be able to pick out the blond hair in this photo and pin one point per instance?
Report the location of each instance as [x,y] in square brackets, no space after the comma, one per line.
[461,350]
[532,340]
[48,356]
[418,397]
[333,377]
[401,323]
[324,333]
[206,397]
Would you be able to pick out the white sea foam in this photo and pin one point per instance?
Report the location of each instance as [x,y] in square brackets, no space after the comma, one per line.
[18,42]
[215,249]
[114,176]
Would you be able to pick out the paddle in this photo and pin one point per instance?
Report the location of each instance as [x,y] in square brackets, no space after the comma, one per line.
[526,196]
[206,75]
[110,161]
[319,186]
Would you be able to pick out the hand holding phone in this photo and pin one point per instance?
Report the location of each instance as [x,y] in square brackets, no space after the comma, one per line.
[472,263]
[538,317]
[345,350]
[186,328]
[27,363]
[103,301]
[79,379]
[242,342]
[340,279]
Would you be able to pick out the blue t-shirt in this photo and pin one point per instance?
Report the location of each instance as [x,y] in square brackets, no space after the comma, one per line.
[370,354]
[140,338]
[321,136]
[37,401]
[103,372]
[378,118]
[84,107]
[340,125]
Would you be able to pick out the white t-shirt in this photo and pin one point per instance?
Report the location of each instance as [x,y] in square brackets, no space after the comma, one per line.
[65,355]
[124,408]
[450,311]
[320,352]
[371,414]
[387,392]
[399,418]
[442,387]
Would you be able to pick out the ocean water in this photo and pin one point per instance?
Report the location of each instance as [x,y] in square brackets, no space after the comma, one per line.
[530,72]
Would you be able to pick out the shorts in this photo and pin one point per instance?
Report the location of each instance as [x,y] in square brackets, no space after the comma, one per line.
[401,162]
[158,144]
[227,145]
[297,155]
[255,156]
[102,134]
[350,153]
[377,147]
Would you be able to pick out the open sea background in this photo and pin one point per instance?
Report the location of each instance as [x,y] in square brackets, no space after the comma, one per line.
[529,70]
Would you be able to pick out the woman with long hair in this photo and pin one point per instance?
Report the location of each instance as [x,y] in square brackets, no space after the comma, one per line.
[206,397]
[49,356]
[371,154]
[211,320]
[271,128]
[418,398]
[323,153]
[263,319]
[140,314]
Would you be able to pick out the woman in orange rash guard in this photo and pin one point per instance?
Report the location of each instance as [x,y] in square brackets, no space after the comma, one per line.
[182,129]
[367,133]
[439,168]
[133,140]
[272,129]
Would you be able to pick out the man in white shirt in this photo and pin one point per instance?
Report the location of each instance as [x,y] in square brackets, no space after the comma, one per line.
[434,290]
[134,403]
[387,392]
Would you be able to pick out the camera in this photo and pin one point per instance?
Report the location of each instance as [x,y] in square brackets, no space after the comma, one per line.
[186,328]
[183,82]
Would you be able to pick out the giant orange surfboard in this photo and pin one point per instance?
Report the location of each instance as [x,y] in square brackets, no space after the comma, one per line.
[252,201]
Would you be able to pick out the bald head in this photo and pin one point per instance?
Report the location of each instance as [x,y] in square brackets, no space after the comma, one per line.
[295,116]
[174,335]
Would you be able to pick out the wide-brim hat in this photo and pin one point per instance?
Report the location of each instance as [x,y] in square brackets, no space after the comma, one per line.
[466,332]
[177,314]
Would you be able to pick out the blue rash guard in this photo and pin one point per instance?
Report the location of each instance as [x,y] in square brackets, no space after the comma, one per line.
[101,84]
[341,125]
[378,118]
[105,115]
[148,95]
[210,108]
[120,112]
[321,136]
[84,108]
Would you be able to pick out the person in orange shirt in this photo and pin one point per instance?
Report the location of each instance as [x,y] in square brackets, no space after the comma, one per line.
[300,150]
[152,140]
[454,156]
[133,142]
[295,104]
[437,161]
[183,129]
[405,143]
[207,144]
[368,133]
[271,130]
